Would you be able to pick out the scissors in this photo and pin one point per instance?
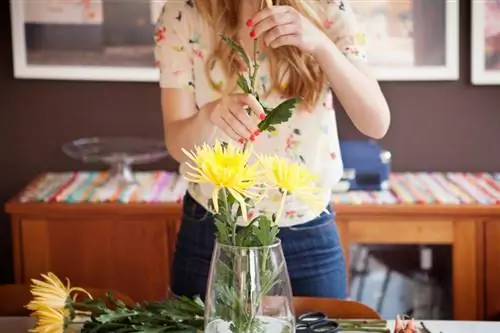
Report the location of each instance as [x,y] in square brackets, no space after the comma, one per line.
[316,322]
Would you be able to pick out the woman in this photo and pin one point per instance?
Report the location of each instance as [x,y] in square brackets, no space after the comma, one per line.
[305,48]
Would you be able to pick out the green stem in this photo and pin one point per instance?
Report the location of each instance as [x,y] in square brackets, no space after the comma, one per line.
[254,71]
[281,208]
[227,215]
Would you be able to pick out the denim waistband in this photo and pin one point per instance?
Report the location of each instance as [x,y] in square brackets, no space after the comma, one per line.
[325,217]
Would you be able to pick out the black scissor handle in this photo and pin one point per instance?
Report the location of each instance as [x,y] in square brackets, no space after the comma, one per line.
[302,328]
[325,326]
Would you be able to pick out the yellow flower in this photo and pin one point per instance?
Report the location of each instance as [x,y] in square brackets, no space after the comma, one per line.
[51,293]
[226,167]
[50,320]
[292,178]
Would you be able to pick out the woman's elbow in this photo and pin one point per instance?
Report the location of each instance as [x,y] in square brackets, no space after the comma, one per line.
[173,148]
[378,125]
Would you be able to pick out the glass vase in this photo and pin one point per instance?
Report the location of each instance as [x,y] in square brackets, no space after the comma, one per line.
[249,291]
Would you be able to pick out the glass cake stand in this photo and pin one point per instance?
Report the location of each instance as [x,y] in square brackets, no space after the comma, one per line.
[120,153]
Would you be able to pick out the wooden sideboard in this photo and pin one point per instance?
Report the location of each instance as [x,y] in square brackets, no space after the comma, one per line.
[492,268]
[129,247]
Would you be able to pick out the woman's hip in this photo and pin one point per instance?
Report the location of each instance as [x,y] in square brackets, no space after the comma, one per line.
[313,248]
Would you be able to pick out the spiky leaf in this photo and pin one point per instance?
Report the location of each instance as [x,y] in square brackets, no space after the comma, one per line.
[243,84]
[279,114]
[236,47]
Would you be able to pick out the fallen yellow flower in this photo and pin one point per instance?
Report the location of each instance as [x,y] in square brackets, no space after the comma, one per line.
[51,293]
[50,320]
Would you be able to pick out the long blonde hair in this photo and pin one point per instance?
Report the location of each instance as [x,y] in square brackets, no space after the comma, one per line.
[305,79]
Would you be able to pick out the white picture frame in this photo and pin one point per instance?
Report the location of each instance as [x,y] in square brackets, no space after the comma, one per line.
[405,70]
[24,69]
[483,70]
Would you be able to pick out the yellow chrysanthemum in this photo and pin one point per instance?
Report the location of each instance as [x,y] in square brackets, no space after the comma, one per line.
[292,178]
[50,320]
[51,293]
[225,167]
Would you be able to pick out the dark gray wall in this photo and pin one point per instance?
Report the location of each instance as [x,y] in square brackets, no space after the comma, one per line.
[435,126]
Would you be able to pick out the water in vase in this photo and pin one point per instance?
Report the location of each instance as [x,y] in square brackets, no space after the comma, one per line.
[269,325]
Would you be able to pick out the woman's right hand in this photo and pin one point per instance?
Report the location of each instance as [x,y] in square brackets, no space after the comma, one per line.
[230,115]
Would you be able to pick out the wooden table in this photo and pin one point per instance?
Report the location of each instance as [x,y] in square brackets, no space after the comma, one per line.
[96,244]
[22,325]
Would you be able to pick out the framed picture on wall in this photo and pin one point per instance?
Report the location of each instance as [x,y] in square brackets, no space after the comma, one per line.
[112,40]
[411,40]
[485,57]
[84,39]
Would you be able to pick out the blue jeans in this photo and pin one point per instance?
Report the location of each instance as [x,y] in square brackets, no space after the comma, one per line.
[313,255]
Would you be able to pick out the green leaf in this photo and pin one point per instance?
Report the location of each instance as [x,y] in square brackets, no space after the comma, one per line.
[223,230]
[265,231]
[279,114]
[245,236]
[238,49]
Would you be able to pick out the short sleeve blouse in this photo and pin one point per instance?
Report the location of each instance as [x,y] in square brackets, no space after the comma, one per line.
[183,43]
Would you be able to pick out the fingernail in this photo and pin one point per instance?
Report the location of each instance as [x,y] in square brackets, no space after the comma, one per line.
[256,133]
[252,33]
[262,116]
[241,140]
[249,23]
[252,137]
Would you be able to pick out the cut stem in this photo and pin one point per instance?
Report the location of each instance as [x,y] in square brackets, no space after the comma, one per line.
[281,208]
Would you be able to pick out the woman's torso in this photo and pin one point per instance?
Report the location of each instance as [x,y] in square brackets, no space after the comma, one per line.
[308,137]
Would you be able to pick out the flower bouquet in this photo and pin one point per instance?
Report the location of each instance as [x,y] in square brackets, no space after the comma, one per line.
[249,288]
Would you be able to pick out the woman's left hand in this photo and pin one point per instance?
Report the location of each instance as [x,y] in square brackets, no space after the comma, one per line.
[284,25]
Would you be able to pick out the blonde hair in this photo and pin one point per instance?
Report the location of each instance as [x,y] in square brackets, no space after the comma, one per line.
[305,79]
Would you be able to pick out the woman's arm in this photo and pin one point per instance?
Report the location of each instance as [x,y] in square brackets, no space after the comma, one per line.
[357,90]
[338,50]
[184,126]
[342,58]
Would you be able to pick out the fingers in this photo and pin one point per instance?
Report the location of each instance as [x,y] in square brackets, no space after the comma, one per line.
[239,122]
[269,23]
[273,13]
[231,116]
[284,40]
[280,35]
[252,103]
[224,118]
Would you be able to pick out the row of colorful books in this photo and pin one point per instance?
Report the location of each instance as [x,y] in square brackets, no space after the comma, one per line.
[163,187]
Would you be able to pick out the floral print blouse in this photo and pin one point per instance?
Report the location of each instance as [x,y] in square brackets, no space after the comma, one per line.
[183,43]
